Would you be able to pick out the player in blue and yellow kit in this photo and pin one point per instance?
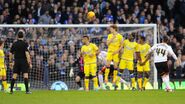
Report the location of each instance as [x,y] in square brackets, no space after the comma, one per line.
[89,52]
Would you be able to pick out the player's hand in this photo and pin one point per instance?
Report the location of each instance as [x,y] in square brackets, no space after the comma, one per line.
[71,73]
[91,55]
[115,52]
[30,65]
[11,64]
[177,63]
[141,63]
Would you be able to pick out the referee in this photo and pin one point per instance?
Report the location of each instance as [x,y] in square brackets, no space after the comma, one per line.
[22,62]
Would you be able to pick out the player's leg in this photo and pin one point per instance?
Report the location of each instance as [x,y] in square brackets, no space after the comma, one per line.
[115,72]
[162,69]
[130,67]
[139,79]
[86,80]
[13,81]
[100,76]
[1,78]
[139,76]
[78,78]
[16,70]
[146,78]
[26,81]
[146,74]
[25,70]
[122,66]
[4,82]
[93,69]
[107,70]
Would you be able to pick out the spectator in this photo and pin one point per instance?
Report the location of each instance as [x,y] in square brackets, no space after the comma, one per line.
[45,18]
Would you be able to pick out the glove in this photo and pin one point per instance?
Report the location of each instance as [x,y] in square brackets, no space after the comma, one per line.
[71,73]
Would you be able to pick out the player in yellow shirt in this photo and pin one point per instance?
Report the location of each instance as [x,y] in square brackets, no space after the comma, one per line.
[89,52]
[114,41]
[145,69]
[127,58]
[2,67]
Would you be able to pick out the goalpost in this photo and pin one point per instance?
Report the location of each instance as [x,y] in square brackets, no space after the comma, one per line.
[59,41]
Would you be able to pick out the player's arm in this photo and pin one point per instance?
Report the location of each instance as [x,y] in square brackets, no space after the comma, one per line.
[174,56]
[148,55]
[122,43]
[109,40]
[97,51]
[137,52]
[28,57]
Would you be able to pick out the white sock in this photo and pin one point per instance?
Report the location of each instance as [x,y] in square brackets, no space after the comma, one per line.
[165,79]
[167,82]
[123,81]
[100,78]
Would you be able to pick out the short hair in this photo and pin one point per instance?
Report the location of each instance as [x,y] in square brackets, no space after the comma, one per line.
[20,34]
[85,36]
[143,38]
[1,42]
[165,38]
[114,26]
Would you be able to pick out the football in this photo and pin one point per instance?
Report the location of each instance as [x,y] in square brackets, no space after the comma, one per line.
[90,15]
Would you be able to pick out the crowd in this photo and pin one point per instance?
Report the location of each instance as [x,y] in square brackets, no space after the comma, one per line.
[50,46]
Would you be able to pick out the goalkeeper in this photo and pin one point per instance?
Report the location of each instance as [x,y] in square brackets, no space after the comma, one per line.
[80,63]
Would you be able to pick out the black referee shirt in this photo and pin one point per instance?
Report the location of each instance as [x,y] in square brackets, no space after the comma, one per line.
[18,49]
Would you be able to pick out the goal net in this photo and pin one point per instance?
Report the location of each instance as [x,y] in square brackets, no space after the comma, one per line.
[54,48]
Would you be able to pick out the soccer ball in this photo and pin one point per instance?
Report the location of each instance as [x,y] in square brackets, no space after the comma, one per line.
[90,15]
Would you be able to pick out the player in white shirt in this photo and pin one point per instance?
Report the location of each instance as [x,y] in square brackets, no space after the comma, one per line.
[102,58]
[161,52]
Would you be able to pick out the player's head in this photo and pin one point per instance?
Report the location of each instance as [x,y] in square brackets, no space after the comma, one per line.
[165,39]
[1,43]
[113,28]
[142,39]
[85,39]
[20,34]
[131,37]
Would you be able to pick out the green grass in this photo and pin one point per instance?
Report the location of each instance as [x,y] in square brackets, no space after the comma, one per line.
[94,97]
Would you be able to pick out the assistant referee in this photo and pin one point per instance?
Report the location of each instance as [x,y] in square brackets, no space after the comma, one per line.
[22,62]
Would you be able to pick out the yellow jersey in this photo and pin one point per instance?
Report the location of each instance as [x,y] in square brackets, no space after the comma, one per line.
[2,56]
[143,49]
[89,53]
[129,48]
[115,44]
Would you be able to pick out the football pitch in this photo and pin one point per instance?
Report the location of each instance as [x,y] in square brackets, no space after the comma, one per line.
[94,97]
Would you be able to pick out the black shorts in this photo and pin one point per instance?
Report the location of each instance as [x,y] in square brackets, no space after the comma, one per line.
[162,68]
[21,65]
[82,75]
[111,69]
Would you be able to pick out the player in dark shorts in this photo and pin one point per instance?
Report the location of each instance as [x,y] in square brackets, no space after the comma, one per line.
[80,75]
[22,61]
[161,52]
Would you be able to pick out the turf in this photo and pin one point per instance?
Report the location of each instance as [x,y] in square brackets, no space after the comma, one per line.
[94,97]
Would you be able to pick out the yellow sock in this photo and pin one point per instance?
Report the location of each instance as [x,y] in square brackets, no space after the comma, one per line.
[95,82]
[133,82]
[107,70]
[4,83]
[86,81]
[118,78]
[140,82]
[145,82]
[115,73]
